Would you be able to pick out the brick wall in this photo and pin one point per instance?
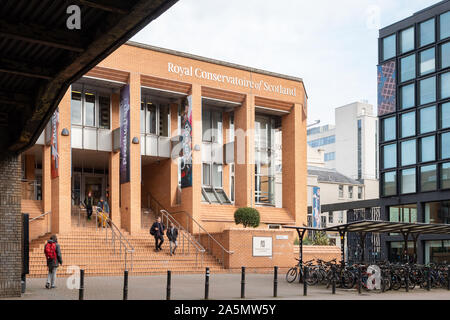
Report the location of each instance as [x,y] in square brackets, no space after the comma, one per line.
[10,227]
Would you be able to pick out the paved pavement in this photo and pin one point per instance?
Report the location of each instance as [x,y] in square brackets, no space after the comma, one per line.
[222,286]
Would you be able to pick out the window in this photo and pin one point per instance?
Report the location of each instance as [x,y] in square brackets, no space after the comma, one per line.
[408,68]
[206,125]
[444,25]
[217,175]
[389,128]
[89,109]
[428,119]
[330,156]
[389,46]
[445,55]
[322,141]
[427,61]
[445,175]
[396,251]
[75,108]
[445,145]
[428,90]
[428,181]
[206,174]
[427,149]
[148,117]
[426,32]
[408,124]
[164,120]
[437,251]
[360,193]
[437,212]
[408,184]
[330,217]
[407,96]
[408,152]
[341,191]
[445,115]
[389,180]
[445,85]
[407,40]
[390,156]
[350,192]
[104,106]
[405,213]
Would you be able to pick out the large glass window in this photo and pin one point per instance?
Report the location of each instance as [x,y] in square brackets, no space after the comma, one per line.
[407,40]
[407,96]
[164,120]
[408,180]
[445,115]
[75,108]
[428,90]
[445,55]
[408,152]
[405,213]
[389,129]
[148,117]
[390,156]
[437,212]
[408,68]
[445,175]
[89,109]
[445,85]
[437,251]
[445,145]
[427,149]
[428,119]
[427,61]
[389,47]
[427,32]
[389,183]
[408,124]
[396,251]
[428,178]
[444,25]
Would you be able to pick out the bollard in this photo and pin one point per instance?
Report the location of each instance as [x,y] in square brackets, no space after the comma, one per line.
[81,290]
[207,284]
[305,281]
[333,280]
[428,279]
[169,278]
[275,281]
[359,279]
[407,279]
[125,285]
[243,283]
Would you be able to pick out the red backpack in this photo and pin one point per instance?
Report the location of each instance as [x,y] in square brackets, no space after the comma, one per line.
[50,251]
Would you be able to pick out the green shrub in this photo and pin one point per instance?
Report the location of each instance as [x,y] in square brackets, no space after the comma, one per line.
[249,217]
[321,239]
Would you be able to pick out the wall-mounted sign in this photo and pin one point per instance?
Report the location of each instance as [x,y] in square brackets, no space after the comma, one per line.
[186,152]
[54,142]
[282,237]
[262,246]
[124,110]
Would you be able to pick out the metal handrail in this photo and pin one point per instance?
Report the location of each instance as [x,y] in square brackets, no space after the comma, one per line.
[200,228]
[49,220]
[41,215]
[123,241]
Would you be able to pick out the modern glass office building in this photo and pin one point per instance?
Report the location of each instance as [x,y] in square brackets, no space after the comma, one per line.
[414,118]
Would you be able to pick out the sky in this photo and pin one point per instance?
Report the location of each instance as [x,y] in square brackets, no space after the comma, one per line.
[330,44]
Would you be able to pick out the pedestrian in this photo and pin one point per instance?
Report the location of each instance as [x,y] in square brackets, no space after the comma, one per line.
[157,230]
[52,253]
[103,210]
[172,235]
[88,203]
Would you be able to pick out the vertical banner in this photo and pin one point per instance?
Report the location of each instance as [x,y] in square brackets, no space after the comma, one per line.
[54,142]
[125,134]
[316,207]
[186,152]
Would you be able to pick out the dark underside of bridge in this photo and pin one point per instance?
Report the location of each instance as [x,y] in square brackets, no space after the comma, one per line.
[40,57]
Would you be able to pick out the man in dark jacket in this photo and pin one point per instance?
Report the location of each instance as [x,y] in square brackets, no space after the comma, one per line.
[88,202]
[172,235]
[52,253]
[157,230]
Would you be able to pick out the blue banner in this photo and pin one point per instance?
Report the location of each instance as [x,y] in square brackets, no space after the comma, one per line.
[186,152]
[125,134]
[316,207]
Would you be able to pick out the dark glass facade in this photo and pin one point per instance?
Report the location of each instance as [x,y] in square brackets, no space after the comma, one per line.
[415,136]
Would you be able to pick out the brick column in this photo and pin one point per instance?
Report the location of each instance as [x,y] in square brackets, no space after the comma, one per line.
[46,179]
[114,162]
[131,191]
[62,186]
[294,164]
[225,167]
[10,227]
[244,152]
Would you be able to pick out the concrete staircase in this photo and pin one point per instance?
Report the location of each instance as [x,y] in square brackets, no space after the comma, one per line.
[86,247]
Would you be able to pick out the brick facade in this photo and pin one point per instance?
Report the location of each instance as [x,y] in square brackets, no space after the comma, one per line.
[10,227]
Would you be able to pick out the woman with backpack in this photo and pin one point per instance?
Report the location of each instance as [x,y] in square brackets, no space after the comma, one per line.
[52,253]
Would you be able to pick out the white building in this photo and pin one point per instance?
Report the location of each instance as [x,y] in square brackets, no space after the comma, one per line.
[351,145]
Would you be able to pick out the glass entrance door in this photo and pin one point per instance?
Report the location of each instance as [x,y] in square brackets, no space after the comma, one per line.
[264,161]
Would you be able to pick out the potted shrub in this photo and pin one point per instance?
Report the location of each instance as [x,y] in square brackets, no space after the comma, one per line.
[248,217]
